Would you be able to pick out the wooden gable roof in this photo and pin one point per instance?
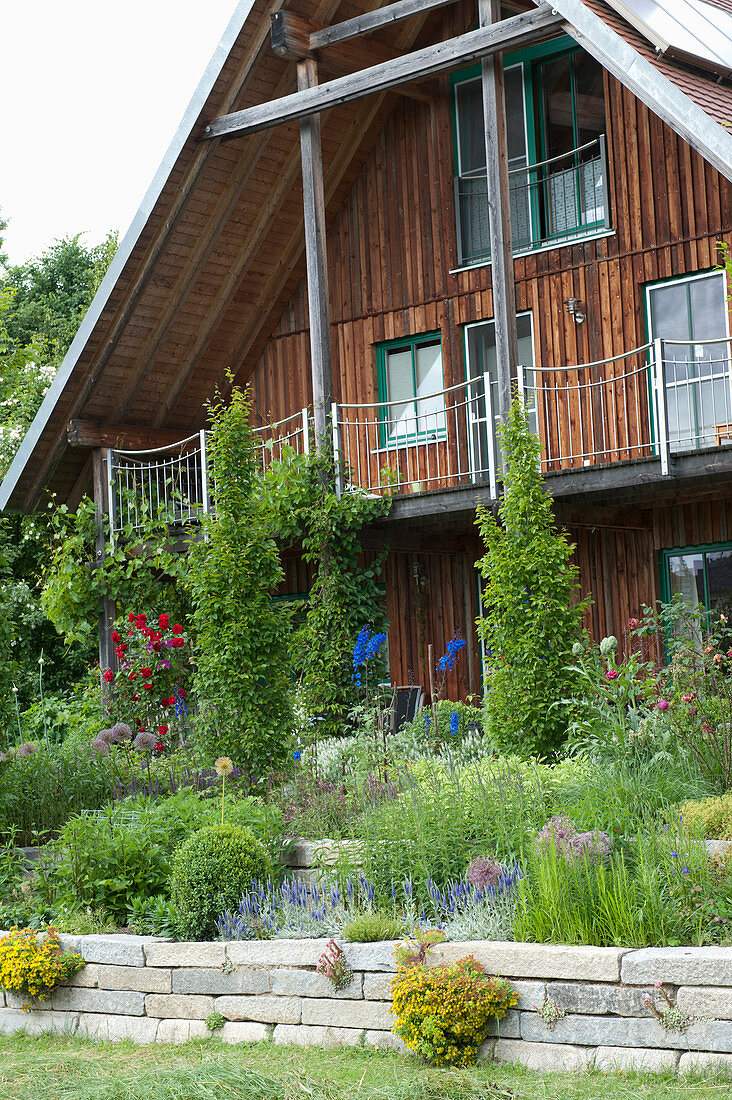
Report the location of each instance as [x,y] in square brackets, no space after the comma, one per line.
[217,248]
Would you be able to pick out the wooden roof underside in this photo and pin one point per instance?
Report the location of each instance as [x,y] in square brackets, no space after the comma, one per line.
[212,259]
[219,256]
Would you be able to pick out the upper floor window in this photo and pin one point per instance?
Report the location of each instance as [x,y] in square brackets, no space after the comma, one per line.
[555,122]
[410,390]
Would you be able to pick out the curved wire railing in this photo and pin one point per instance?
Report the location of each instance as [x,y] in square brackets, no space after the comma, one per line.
[657,400]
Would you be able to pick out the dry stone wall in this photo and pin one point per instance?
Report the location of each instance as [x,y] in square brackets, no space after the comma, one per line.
[152,990]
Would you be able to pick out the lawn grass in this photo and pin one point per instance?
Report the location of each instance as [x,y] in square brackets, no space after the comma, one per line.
[67,1068]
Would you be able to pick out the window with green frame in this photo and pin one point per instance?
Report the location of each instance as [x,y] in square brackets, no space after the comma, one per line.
[700,575]
[410,390]
[555,122]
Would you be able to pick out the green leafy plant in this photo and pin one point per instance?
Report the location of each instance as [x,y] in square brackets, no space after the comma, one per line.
[210,873]
[371,927]
[443,1012]
[105,859]
[532,613]
[152,915]
[242,644]
[215,1021]
[38,793]
[345,594]
[710,816]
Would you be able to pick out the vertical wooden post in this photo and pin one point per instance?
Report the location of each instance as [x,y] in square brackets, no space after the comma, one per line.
[321,359]
[499,208]
[106,612]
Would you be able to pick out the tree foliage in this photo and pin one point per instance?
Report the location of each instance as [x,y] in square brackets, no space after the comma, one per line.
[533,614]
[41,305]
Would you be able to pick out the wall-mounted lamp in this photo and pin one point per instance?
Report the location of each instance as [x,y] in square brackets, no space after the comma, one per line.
[574,308]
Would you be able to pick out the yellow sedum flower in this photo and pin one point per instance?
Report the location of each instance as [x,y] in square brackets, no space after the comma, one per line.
[443,1012]
[34,967]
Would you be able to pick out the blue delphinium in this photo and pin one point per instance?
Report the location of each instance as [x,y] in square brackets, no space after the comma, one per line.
[454,723]
[446,663]
[360,653]
[374,645]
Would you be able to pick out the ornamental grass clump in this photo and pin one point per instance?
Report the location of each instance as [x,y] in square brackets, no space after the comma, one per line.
[32,968]
[443,1012]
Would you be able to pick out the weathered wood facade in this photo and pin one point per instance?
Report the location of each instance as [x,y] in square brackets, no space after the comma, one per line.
[393,268]
[213,279]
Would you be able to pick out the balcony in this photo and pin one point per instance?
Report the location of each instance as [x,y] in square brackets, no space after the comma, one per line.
[552,202]
[651,405]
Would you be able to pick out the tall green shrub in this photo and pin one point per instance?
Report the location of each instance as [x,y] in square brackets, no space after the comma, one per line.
[241,637]
[533,614]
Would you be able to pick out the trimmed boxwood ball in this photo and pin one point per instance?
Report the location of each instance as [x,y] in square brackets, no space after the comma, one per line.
[210,873]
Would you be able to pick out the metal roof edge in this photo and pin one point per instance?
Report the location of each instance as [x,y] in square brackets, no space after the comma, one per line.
[650,85]
[123,253]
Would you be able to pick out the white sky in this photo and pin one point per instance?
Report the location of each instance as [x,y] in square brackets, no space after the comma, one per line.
[91,93]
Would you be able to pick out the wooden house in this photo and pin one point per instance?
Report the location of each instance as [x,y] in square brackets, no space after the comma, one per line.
[382,218]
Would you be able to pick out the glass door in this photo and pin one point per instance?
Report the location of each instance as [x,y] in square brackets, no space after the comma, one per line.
[481,360]
[572,109]
[685,313]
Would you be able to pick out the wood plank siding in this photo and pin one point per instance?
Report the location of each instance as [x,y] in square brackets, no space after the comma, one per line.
[392,260]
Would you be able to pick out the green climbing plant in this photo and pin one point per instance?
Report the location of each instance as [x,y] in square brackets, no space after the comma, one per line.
[243,680]
[533,613]
[345,592]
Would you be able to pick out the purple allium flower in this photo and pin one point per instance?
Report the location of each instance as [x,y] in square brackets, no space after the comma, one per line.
[100,747]
[558,832]
[28,749]
[592,846]
[121,732]
[144,741]
[484,871]
[107,736]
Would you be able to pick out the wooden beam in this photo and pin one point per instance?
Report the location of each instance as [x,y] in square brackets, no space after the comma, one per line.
[372,20]
[130,437]
[268,302]
[227,291]
[520,30]
[291,37]
[499,212]
[321,354]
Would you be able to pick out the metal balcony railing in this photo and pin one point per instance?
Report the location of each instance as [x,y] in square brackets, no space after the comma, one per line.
[285,437]
[551,202]
[652,402]
[164,482]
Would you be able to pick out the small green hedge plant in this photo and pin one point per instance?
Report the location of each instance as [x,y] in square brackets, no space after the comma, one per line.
[210,873]
[710,816]
[443,1012]
[373,927]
